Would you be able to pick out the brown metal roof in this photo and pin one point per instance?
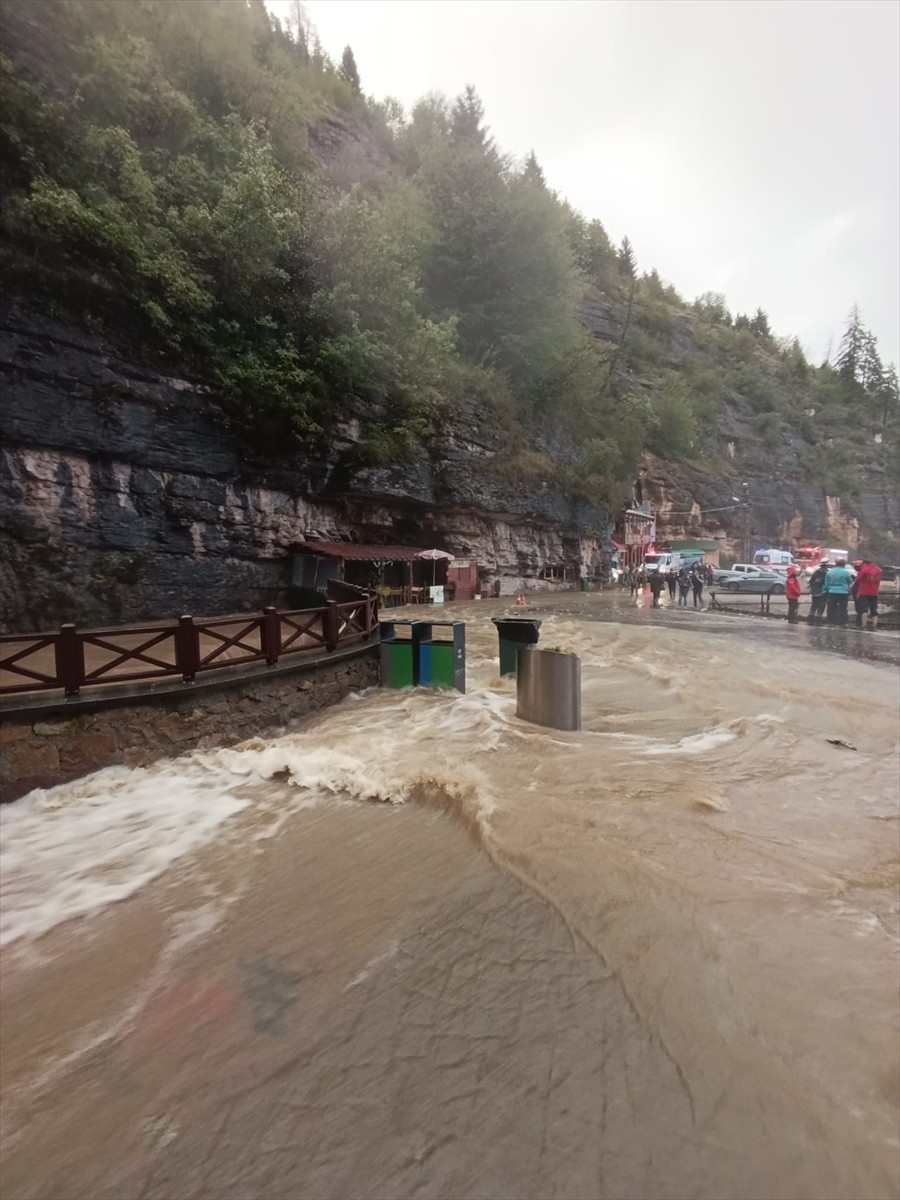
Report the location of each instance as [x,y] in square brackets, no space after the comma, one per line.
[362,553]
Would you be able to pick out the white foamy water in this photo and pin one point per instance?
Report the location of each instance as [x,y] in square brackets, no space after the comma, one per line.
[73,850]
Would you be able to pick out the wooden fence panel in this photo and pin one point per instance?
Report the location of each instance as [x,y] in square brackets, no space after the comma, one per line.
[229,641]
[114,655]
[71,658]
[302,629]
[28,664]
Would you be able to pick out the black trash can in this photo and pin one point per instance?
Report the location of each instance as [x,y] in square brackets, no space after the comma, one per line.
[515,632]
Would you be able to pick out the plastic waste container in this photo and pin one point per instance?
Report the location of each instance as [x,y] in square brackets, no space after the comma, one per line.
[441,657]
[399,654]
[515,632]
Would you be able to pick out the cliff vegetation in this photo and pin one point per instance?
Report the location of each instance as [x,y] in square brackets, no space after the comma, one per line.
[201,182]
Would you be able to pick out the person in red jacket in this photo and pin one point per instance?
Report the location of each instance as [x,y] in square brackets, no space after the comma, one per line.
[868,583]
[792,590]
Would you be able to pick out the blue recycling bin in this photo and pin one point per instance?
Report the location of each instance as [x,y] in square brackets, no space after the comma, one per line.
[441,653]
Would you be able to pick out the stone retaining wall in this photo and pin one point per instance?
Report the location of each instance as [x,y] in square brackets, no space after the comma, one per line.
[41,749]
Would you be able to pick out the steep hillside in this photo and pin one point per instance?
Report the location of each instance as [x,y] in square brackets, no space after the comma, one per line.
[203,194]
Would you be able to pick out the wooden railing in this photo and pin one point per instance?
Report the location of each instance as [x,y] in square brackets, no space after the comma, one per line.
[72,659]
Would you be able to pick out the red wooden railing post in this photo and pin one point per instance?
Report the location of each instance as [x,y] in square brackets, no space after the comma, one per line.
[332,626]
[187,649]
[270,634]
[69,660]
[370,619]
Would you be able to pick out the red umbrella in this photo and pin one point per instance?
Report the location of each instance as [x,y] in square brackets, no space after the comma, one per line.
[435,556]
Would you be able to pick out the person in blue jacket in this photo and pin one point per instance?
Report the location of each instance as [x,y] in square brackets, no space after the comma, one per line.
[838,582]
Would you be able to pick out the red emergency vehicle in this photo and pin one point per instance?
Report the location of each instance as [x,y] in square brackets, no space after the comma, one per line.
[807,558]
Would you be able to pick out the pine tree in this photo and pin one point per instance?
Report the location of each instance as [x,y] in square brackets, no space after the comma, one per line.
[299,30]
[532,172]
[760,324]
[626,258]
[889,395]
[467,117]
[870,372]
[349,72]
[851,349]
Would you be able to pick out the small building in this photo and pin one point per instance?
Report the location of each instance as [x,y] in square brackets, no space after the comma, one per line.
[636,532]
[396,572]
[709,548]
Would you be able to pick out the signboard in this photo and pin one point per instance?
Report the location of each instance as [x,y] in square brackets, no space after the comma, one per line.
[459,564]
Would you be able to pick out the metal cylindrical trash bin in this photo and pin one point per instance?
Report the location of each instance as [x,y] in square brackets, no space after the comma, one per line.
[548,689]
[399,654]
[515,632]
[442,659]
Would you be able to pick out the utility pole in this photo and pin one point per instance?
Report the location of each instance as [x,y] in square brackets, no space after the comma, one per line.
[746,492]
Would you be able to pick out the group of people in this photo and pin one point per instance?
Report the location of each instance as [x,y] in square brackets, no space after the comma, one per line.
[683,582]
[832,588]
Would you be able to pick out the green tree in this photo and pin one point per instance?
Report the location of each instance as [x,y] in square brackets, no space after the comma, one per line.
[627,260]
[467,119]
[852,347]
[349,72]
[532,172]
[760,324]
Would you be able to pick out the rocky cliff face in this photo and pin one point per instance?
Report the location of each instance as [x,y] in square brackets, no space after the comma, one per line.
[126,498]
[691,502]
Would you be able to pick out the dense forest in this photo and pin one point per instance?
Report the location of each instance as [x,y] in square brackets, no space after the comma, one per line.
[164,183]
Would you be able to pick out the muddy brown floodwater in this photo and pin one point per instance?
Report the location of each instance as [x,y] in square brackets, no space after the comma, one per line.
[419,948]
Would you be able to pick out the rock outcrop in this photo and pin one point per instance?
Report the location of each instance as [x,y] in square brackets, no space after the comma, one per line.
[127,497]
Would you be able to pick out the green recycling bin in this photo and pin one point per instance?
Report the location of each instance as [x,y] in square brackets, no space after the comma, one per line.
[441,658]
[515,632]
[399,654]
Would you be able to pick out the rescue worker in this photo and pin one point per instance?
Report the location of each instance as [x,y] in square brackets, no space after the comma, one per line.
[657,583]
[792,590]
[868,585]
[817,597]
[838,582]
[697,584]
[684,587]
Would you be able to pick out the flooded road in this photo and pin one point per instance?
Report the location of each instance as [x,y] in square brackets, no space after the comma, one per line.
[420,948]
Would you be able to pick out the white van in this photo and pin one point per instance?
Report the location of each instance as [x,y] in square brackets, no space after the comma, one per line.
[665,561]
[773,560]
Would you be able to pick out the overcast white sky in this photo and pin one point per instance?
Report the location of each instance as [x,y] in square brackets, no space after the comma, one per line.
[751,148]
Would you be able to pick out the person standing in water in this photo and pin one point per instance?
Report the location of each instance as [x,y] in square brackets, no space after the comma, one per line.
[684,586]
[697,584]
[656,586]
[792,590]
[868,585]
[838,582]
[817,597]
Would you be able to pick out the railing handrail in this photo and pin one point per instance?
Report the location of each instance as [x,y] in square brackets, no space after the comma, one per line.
[326,627]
